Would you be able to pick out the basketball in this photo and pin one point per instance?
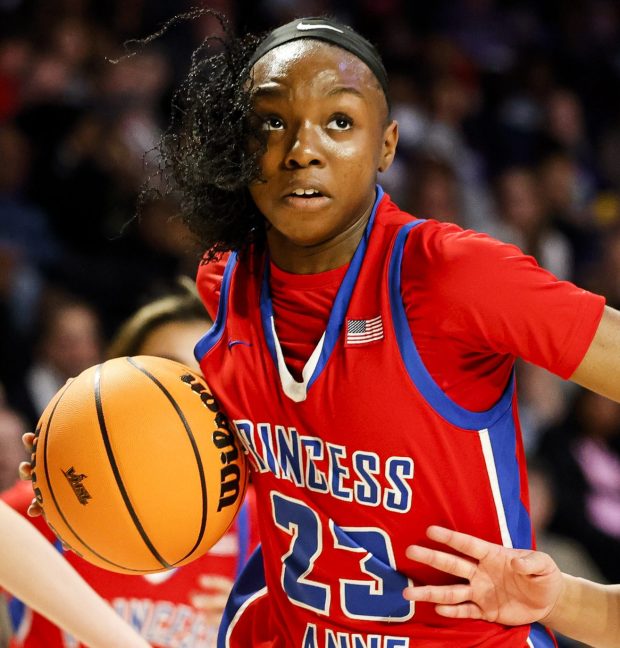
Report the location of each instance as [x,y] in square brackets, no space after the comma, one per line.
[135,467]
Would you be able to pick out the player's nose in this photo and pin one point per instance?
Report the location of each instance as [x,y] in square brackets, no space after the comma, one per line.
[304,148]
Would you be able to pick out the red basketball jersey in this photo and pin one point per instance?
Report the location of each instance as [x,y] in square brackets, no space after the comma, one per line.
[158,606]
[354,463]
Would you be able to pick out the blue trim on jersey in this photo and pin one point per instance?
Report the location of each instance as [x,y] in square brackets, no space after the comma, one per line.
[252,580]
[213,335]
[503,438]
[243,536]
[419,374]
[266,311]
[539,637]
[498,420]
[339,308]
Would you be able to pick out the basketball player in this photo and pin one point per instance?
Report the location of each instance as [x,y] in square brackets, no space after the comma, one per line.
[180,607]
[516,586]
[31,569]
[364,357]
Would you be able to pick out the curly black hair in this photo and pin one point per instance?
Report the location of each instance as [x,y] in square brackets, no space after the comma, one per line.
[209,154]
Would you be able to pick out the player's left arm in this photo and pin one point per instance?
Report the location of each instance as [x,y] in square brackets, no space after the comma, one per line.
[599,369]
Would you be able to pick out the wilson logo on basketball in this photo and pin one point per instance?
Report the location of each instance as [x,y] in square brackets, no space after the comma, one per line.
[75,480]
[224,439]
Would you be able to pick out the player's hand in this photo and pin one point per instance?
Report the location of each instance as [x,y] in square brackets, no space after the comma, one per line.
[508,586]
[25,472]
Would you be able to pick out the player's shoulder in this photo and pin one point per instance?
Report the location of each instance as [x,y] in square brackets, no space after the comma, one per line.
[209,281]
[448,243]
[438,239]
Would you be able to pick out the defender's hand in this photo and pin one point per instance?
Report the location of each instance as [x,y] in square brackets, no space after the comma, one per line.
[508,586]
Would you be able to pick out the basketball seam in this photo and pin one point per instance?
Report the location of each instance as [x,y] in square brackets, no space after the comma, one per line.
[117,475]
[53,496]
[192,440]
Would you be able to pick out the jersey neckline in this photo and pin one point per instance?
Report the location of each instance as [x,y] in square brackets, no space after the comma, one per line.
[295,390]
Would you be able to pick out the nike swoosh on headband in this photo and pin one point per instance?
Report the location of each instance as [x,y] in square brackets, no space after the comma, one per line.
[305,27]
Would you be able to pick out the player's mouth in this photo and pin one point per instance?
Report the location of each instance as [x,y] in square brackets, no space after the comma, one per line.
[306,198]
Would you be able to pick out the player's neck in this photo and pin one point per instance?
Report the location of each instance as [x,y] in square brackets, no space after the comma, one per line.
[334,253]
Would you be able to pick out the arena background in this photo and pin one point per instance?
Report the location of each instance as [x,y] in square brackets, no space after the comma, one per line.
[509,116]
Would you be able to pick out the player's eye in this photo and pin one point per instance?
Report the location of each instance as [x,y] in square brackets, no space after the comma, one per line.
[272,123]
[340,123]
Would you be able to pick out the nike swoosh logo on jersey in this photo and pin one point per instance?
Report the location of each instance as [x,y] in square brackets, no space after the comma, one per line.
[306,27]
[232,343]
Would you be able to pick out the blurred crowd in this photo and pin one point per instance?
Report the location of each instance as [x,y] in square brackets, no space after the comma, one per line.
[509,118]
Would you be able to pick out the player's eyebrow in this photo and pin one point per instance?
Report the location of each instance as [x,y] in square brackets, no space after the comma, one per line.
[268,90]
[345,90]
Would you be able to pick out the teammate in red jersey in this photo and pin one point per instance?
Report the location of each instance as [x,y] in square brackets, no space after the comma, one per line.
[160,607]
[365,357]
[180,607]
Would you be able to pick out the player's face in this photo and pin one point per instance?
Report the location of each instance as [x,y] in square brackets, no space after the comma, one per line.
[327,136]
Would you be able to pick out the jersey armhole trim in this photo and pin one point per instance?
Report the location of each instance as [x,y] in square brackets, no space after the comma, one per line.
[214,334]
[418,373]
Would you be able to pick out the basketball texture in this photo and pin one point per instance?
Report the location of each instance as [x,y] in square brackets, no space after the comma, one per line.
[135,467]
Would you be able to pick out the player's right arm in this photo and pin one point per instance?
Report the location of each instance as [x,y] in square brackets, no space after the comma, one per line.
[516,587]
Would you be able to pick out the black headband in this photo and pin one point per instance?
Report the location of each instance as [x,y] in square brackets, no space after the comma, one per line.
[329,31]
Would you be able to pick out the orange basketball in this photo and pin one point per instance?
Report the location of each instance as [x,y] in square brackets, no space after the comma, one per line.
[135,467]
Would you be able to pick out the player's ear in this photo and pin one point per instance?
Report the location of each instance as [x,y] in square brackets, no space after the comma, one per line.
[388,150]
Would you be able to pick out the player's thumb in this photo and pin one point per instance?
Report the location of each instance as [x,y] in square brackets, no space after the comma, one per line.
[533,563]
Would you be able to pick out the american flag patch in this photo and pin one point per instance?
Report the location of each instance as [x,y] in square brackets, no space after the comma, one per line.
[362,331]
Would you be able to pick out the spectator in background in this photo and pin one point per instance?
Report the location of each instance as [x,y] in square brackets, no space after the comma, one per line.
[570,556]
[567,201]
[69,341]
[524,221]
[15,55]
[543,402]
[583,457]
[168,327]
[565,128]
[12,427]
[452,101]
[27,246]
[434,191]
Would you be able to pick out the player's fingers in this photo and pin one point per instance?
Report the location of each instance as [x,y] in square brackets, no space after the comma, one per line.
[461,611]
[25,470]
[34,509]
[28,441]
[462,542]
[446,594]
[446,562]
